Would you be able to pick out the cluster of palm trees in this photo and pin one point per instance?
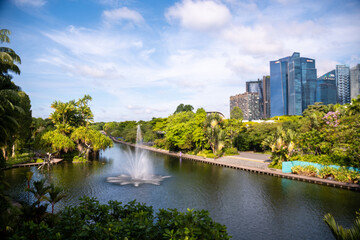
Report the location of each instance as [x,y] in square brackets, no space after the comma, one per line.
[11,97]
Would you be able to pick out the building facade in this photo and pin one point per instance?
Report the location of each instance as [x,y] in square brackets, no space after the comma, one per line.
[257,87]
[266,96]
[248,103]
[326,92]
[293,85]
[355,81]
[342,74]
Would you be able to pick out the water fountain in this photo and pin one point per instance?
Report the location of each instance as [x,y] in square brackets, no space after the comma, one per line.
[139,168]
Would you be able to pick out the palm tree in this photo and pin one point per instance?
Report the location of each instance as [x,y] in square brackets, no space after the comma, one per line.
[8,57]
[9,97]
[343,233]
[39,191]
[56,195]
[214,132]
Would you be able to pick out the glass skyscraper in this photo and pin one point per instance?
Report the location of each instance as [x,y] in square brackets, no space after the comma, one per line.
[343,84]
[278,86]
[326,88]
[293,85]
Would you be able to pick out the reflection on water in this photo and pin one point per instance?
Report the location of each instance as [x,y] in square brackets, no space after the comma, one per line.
[252,206]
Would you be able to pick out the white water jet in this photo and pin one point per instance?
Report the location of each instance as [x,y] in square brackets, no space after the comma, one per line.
[139,167]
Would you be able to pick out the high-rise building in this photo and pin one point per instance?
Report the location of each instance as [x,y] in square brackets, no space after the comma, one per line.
[266,96]
[343,84]
[248,103]
[326,88]
[355,81]
[278,86]
[257,87]
[293,85]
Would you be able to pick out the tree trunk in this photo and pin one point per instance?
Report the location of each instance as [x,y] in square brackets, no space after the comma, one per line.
[13,150]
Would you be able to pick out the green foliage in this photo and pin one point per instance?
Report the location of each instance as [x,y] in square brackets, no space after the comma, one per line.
[307,170]
[214,132]
[78,159]
[57,141]
[231,151]
[39,160]
[236,113]
[72,114]
[341,233]
[183,108]
[89,140]
[92,220]
[342,174]
[184,131]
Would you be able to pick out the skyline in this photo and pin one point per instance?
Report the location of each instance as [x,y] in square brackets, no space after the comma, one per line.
[140,60]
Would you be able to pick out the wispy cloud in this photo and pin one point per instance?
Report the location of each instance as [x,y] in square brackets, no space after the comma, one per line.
[121,15]
[32,3]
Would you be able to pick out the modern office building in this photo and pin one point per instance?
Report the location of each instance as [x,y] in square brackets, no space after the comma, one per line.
[266,96]
[293,85]
[355,81]
[257,87]
[326,88]
[342,74]
[248,103]
[278,86]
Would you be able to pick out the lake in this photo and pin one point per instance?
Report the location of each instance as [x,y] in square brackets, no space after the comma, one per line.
[252,206]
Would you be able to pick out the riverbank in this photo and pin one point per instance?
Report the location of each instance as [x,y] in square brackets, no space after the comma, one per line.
[259,170]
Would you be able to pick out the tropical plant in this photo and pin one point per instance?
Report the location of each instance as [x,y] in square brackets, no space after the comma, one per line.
[214,132]
[55,195]
[341,233]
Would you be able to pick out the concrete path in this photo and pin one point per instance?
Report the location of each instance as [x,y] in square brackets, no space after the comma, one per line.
[247,159]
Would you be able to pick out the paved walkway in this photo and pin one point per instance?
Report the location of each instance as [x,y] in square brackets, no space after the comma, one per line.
[247,159]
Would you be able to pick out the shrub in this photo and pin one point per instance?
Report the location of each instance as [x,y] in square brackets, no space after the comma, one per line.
[231,151]
[307,170]
[326,172]
[78,159]
[39,160]
[92,220]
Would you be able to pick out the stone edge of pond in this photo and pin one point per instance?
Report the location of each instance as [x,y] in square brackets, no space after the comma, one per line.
[271,172]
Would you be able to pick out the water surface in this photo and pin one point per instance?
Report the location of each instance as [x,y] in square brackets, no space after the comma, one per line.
[252,206]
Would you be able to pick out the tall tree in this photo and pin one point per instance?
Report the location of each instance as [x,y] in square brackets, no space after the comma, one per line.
[214,132]
[236,113]
[11,110]
[184,108]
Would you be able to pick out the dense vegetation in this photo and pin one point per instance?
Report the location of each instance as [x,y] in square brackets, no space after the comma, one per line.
[92,220]
[326,134]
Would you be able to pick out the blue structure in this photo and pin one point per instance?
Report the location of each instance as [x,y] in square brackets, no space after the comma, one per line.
[286,166]
[326,88]
[293,85]
[278,87]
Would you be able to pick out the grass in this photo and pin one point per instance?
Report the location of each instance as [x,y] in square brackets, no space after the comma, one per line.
[20,158]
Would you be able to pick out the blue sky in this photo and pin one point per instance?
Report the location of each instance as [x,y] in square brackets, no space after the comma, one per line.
[140,59]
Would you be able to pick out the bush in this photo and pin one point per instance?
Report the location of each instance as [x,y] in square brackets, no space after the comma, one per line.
[91,220]
[231,151]
[326,172]
[39,160]
[306,171]
[341,174]
[78,159]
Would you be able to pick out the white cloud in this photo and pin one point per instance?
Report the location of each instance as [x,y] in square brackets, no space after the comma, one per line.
[33,3]
[123,14]
[199,15]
